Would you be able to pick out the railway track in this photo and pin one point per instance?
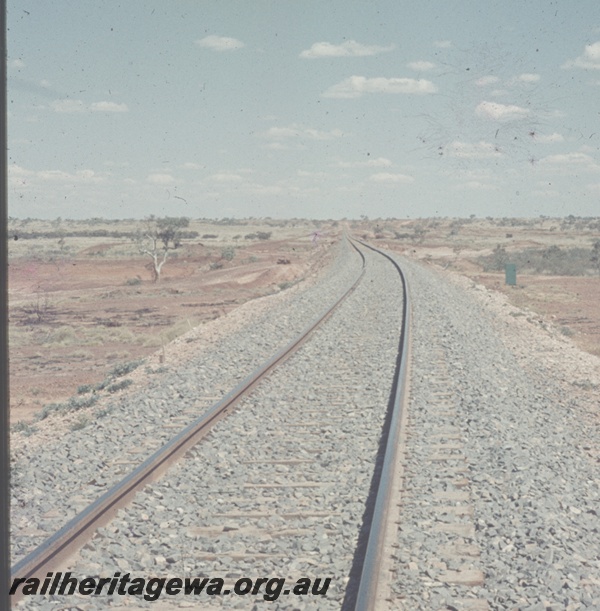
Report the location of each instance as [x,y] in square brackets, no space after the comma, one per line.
[298,482]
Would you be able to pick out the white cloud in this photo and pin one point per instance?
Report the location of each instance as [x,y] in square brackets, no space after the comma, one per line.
[17,63]
[160,179]
[590,58]
[315,134]
[60,176]
[19,176]
[545,193]
[108,107]
[387,177]
[486,80]
[355,86]
[258,189]
[304,173]
[468,150]
[189,165]
[576,158]
[501,112]
[572,160]
[225,177]
[282,132]
[421,65]
[276,146]
[380,162]
[220,43]
[350,48]
[528,77]
[593,187]
[297,131]
[555,137]
[68,105]
[476,185]
[442,44]
[18,171]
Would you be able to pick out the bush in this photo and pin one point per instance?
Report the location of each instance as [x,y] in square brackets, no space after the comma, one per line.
[48,409]
[228,253]
[119,386]
[124,368]
[133,281]
[23,427]
[263,235]
[74,403]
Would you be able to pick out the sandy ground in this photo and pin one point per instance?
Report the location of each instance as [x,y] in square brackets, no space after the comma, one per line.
[74,319]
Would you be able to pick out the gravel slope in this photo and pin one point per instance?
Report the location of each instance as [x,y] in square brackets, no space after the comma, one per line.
[530,448]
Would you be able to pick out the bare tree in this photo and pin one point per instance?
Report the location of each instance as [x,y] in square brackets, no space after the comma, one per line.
[158,237]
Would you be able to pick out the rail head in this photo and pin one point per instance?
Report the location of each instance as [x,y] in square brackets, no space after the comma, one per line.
[369,584]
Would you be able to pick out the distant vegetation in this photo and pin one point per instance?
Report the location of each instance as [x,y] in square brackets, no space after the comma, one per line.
[84,233]
[552,260]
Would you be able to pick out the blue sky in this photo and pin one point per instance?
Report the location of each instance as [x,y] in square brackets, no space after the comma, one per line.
[303,108]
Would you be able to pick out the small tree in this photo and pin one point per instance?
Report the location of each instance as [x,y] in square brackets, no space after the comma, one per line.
[158,237]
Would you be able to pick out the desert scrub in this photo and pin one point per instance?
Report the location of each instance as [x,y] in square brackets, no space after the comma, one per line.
[104,412]
[23,428]
[80,423]
[81,355]
[63,336]
[124,368]
[75,403]
[48,409]
[585,384]
[151,371]
[119,386]
[228,253]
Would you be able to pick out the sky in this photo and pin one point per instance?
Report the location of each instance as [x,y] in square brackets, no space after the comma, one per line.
[303,108]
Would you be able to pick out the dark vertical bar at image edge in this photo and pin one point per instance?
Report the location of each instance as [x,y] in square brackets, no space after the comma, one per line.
[4,403]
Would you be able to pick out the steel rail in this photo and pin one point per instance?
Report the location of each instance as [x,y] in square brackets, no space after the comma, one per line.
[366,598]
[60,546]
